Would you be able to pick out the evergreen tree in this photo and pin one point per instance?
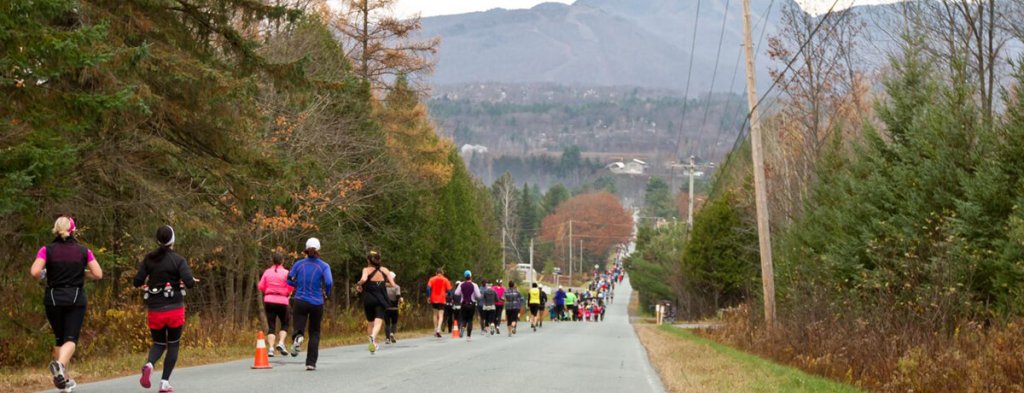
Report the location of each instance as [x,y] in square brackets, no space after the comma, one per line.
[658,201]
[529,219]
[554,197]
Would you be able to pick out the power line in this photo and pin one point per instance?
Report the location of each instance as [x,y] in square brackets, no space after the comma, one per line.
[789,67]
[689,73]
[736,66]
[714,74]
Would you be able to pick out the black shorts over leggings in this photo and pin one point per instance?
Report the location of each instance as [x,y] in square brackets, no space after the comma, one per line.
[66,322]
[275,312]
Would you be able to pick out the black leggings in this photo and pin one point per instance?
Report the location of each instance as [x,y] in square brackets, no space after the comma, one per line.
[487,317]
[466,318]
[390,322]
[169,339]
[275,312]
[301,312]
[449,317]
[66,322]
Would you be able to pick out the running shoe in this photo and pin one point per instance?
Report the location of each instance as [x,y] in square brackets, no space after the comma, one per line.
[498,331]
[282,350]
[436,334]
[393,339]
[69,386]
[165,387]
[372,346]
[270,352]
[59,379]
[296,343]
[147,370]
[310,368]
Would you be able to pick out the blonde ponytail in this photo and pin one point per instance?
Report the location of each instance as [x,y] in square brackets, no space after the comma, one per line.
[62,227]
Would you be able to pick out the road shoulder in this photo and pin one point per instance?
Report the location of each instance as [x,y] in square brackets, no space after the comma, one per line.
[687,362]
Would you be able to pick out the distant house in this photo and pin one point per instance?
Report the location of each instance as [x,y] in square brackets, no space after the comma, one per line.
[467,150]
[633,167]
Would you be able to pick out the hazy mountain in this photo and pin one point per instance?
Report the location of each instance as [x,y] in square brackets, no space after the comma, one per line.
[642,43]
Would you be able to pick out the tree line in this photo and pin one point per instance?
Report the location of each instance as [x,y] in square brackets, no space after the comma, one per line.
[895,211]
[246,125]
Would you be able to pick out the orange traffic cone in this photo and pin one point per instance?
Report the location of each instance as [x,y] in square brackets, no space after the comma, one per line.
[261,361]
[455,330]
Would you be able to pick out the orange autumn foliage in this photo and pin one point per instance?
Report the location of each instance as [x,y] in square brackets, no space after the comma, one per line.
[599,219]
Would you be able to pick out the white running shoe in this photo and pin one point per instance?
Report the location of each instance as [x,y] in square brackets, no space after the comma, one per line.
[296,343]
[59,378]
[69,386]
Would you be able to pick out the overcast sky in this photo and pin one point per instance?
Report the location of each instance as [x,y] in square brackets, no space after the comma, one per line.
[447,7]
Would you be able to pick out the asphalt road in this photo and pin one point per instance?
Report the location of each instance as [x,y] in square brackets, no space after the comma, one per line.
[560,357]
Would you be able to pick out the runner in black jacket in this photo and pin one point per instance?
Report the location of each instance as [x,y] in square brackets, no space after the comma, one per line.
[164,275]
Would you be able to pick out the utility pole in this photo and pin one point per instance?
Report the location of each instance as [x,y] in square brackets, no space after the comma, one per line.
[532,278]
[503,263]
[760,194]
[570,252]
[581,256]
[689,211]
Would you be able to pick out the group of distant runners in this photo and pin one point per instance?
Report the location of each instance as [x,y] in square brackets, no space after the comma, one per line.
[292,297]
[456,305]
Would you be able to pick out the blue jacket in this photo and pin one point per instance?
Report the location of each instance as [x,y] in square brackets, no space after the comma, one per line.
[312,280]
[560,297]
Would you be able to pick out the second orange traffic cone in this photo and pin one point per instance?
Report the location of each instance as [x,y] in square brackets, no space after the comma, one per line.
[261,361]
[455,330]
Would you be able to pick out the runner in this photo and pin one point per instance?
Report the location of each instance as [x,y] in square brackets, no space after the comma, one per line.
[513,307]
[391,312]
[275,288]
[373,285]
[449,311]
[560,304]
[439,289]
[570,303]
[162,274]
[535,305]
[469,294]
[543,306]
[65,264]
[489,299]
[311,277]
[457,305]
[499,306]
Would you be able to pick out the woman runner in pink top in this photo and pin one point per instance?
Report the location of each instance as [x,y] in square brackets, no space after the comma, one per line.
[275,288]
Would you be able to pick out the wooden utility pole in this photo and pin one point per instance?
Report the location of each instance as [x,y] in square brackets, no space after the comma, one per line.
[689,211]
[570,252]
[503,262]
[581,256]
[760,194]
[533,277]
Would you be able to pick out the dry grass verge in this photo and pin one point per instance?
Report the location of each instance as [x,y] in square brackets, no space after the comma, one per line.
[692,364]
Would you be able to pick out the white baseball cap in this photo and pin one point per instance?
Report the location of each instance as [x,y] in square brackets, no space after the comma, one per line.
[313,243]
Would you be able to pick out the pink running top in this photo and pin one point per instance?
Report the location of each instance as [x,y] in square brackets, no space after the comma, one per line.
[274,285]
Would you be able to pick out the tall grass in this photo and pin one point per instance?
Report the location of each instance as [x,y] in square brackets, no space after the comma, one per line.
[886,354]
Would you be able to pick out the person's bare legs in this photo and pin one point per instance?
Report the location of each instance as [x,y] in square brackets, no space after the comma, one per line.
[375,327]
[271,341]
[438,320]
[64,352]
[282,335]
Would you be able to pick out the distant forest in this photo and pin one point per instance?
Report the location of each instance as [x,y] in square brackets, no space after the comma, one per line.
[521,120]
